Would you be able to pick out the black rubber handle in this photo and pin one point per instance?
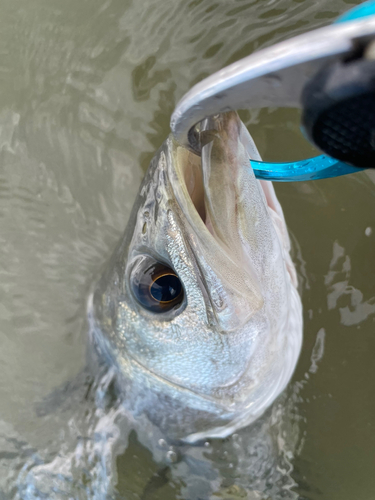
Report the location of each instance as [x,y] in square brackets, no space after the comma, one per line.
[339,111]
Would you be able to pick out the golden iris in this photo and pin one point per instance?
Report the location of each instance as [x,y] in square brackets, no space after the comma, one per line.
[157,287]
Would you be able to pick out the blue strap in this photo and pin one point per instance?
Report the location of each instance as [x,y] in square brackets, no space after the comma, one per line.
[365,9]
[319,167]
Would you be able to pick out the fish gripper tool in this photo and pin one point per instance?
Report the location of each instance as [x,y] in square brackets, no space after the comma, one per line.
[329,73]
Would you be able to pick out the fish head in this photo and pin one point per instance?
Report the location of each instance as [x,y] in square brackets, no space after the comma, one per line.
[198,307]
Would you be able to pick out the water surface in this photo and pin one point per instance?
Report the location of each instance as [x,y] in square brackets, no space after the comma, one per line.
[87,89]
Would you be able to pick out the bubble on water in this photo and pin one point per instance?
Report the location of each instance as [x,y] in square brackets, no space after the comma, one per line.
[172,456]
[162,443]
[368,231]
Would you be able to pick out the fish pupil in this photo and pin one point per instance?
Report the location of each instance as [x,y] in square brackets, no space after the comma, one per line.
[166,288]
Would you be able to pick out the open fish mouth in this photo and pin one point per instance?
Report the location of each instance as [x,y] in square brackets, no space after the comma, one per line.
[228,214]
[211,179]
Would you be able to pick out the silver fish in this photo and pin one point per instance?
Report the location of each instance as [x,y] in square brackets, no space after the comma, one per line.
[198,308]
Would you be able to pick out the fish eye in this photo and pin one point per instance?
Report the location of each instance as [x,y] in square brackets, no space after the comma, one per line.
[156,286]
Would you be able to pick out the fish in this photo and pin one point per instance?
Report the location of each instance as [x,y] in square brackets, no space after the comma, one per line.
[197,309]
[195,328]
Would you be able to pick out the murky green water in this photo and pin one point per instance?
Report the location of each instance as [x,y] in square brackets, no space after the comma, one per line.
[86,93]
